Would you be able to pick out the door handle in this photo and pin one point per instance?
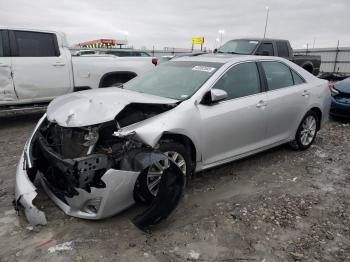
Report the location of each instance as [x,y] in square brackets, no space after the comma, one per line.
[305,93]
[59,64]
[261,104]
[4,65]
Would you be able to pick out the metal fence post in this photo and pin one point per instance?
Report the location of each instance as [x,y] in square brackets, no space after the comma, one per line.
[336,57]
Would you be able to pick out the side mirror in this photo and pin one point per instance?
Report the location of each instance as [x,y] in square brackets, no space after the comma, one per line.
[214,96]
[215,51]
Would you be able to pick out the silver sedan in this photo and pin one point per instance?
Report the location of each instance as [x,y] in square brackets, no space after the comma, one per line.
[97,152]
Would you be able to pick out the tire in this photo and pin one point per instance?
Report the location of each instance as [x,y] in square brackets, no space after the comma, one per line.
[142,192]
[306,132]
[116,80]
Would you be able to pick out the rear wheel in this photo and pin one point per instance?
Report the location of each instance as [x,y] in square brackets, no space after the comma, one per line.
[147,185]
[306,132]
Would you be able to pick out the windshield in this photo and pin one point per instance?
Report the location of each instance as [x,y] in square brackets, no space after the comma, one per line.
[177,80]
[244,47]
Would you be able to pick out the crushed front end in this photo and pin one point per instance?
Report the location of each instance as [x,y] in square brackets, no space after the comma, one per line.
[90,172]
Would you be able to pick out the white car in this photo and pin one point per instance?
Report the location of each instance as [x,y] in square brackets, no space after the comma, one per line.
[96,152]
[36,66]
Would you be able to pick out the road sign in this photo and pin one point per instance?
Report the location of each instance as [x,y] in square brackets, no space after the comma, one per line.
[198,41]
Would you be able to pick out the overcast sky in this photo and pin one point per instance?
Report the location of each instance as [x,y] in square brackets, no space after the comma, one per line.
[171,23]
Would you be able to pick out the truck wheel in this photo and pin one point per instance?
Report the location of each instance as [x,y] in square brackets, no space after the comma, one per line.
[308,68]
[116,80]
[147,185]
[306,132]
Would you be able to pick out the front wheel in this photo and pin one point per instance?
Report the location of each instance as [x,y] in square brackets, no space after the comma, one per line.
[306,132]
[147,185]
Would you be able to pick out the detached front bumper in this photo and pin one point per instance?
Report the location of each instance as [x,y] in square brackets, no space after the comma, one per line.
[25,192]
[94,186]
[97,204]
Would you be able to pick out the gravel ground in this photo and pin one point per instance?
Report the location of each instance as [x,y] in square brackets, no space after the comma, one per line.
[280,205]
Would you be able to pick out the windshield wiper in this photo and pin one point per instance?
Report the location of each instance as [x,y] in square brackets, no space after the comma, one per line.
[230,52]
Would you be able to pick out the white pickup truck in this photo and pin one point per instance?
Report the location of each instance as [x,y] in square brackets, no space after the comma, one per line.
[36,66]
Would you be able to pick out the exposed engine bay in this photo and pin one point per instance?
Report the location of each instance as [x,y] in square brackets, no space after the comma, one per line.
[91,171]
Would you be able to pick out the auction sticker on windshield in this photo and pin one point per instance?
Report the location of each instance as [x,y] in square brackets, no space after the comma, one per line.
[204,69]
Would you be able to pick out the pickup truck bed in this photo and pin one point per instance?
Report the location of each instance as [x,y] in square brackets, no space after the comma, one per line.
[36,66]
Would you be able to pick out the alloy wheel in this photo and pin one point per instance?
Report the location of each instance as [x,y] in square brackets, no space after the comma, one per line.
[156,170]
[308,131]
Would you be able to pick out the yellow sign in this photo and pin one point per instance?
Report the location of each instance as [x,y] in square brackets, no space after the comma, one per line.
[198,41]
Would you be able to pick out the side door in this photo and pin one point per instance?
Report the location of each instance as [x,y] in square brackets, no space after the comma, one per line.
[237,124]
[7,91]
[39,66]
[288,96]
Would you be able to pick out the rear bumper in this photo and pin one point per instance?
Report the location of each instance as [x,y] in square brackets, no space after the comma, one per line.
[340,109]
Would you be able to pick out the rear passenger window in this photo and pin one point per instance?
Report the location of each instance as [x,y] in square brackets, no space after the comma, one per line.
[282,49]
[34,44]
[278,75]
[239,81]
[297,79]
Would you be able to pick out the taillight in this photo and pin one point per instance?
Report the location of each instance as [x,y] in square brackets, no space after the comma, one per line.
[334,92]
[330,85]
[154,61]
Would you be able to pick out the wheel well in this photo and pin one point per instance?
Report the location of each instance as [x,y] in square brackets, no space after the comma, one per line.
[113,77]
[308,67]
[318,112]
[182,139]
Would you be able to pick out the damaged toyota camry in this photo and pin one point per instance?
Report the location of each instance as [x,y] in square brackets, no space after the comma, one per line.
[98,152]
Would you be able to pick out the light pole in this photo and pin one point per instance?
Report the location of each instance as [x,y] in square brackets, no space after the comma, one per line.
[267,18]
[126,33]
[221,32]
[217,40]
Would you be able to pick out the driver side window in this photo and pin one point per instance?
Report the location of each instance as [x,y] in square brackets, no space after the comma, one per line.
[265,49]
[240,80]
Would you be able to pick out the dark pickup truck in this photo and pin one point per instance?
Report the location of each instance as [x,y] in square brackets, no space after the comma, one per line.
[271,47]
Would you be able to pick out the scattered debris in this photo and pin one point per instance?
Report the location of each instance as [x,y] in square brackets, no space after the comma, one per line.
[61,247]
[194,254]
[296,256]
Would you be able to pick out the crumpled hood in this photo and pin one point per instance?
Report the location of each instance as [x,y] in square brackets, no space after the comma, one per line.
[96,106]
[343,86]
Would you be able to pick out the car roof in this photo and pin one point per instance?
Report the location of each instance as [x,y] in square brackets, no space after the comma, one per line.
[225,58]
[258,39]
